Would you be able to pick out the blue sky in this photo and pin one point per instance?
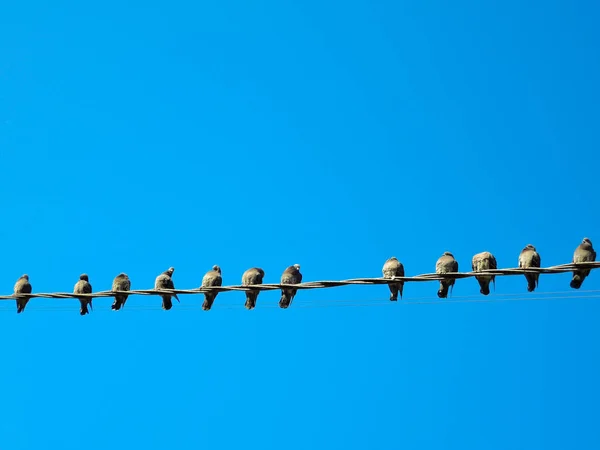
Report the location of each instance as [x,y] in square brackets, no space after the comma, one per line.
[138,136]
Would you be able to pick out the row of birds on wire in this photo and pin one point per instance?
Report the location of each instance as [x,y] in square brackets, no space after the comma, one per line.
[392,268]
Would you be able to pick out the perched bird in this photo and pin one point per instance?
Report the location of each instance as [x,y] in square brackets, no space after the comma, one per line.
[445,264]
[211,278]
[529,257]
[22,286]
[83,286]
[394,268]
[164,281]
[120,283]
[291,275]
[484,261]
[583,253]
[252,277]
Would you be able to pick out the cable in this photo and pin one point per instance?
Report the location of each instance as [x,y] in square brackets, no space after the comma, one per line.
[359,303]
[320,284]
[330,284]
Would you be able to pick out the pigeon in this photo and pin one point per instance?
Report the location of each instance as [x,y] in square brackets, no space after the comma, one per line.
[22,286]
[83,286]
[120,283]
[211,278]
[583,253]
[291,275]
[445,264]
[484,261]
[252,277]
[164,281]
[394,268]
[529,257]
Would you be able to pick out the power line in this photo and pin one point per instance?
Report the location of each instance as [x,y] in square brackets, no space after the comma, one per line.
[317,284]
[361,303]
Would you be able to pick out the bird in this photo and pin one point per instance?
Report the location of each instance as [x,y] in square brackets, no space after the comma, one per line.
[529,257]
[583,253]
[83,286]
[252,277]
[484,261]
[394,268]
[291,275]
[120,283]
[211,278]
[445,264]
[22,286]
[164,281]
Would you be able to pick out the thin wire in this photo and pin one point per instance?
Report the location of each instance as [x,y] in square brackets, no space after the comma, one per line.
[359,303]
[320,284]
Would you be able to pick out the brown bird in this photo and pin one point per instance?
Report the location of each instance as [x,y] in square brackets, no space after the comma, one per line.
[120,283]
[394,268]
[164,281]
[484,261]
[446,264]
[83,286]
[529,257]
[291,275]
[211,278]
[252,277]
[22,286]
[583,253]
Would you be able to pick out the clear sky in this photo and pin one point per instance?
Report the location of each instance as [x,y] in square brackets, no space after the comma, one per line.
[135,136]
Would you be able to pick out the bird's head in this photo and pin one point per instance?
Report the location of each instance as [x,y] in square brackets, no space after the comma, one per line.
[25,276]
[587,241]
[170,271]
[84,277]
[448,254]
[529,247]
[216,268]
[297,266]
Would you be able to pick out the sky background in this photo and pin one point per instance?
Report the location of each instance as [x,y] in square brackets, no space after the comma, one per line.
[141,135]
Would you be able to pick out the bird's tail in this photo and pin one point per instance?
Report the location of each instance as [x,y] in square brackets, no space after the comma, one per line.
[167,304]
[286,298]
[443,290]
[484,285]
[400,289]
[119,302]
[84,309]
[393,292]
[531,281]
[577,280]
[21,303]
[209,299]
[251,299]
